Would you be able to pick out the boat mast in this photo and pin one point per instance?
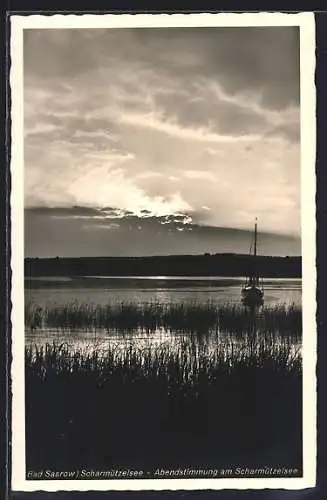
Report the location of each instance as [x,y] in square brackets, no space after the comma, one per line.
[255,236]
[255,277]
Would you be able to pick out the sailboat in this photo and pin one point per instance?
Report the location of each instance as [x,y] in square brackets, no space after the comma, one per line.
[252,292]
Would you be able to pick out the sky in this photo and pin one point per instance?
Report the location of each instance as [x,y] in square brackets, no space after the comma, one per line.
[160,141]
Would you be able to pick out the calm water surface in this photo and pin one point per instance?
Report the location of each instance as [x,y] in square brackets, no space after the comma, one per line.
[103,290]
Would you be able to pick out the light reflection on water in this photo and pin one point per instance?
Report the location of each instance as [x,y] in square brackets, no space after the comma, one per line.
[182,289]
[101,341]
[112,291]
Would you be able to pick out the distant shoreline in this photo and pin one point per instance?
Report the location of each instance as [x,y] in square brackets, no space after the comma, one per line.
[161,267]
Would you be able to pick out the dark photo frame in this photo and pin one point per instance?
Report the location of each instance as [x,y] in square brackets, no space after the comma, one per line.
[321,21]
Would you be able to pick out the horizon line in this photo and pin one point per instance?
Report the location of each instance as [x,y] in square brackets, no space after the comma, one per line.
[206,254]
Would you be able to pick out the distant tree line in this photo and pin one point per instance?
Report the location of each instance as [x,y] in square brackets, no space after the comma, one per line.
[172,265]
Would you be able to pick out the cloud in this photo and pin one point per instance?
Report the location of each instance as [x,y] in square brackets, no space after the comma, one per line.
[200,174]
[90,232]
[161,122]
[156,122]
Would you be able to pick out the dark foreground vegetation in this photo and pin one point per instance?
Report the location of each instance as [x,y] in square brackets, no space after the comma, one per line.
[178,317]
[171,265]
[173,405]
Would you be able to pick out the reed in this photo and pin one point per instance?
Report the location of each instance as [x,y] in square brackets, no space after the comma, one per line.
[185,357]
[167,404]
[178,317]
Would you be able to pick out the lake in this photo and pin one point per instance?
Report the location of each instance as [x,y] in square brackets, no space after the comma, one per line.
[54,293]
[104,290]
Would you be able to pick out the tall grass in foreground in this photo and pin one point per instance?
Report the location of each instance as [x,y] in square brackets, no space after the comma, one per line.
[165,405]
[190,317]
[184,362]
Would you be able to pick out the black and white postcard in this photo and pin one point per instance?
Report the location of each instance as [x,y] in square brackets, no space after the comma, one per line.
[163,251]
